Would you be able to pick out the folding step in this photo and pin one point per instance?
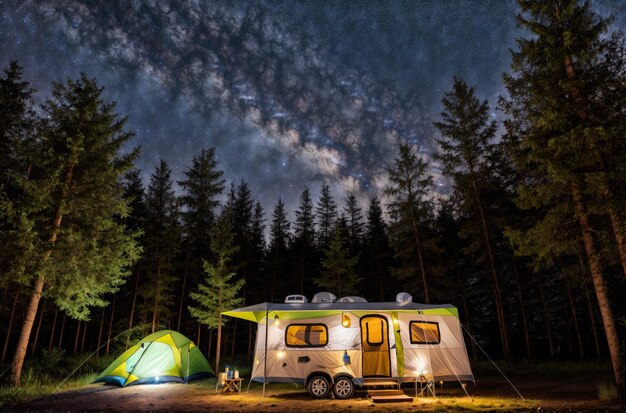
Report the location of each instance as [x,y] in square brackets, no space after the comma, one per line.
[379,382]
[399,398]
[388,392]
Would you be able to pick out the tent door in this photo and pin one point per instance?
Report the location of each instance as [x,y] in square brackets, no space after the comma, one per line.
[375,345]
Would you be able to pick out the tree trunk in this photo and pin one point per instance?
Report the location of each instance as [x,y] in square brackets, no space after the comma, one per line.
[110,326]
[100,332]
[420,260]
[82,342]
[616,225]
[27,326]
[198,342]
[522,309]
[33,304]
[218,344]
[232,347]
[597,277]
[469,329]
[581,351]
[54,325]
[210,344]
[155,309]
[592,319]
[546,317]
[583,115]
[77,336]
[182,291]
[36,340]
[570,344]
[62,330]
[10,327]
[496,283]
[132,305]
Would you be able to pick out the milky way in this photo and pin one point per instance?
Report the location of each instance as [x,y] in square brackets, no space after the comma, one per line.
[290,93]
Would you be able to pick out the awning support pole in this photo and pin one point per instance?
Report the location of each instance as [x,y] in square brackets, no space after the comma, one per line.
[265,358]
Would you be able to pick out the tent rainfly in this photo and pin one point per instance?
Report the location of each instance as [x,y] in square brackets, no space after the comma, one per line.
[342,343]
[164,356]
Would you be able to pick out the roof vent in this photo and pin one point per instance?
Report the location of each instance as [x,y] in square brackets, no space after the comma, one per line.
[324,297]
[296,299]
[351,299]
[404,298]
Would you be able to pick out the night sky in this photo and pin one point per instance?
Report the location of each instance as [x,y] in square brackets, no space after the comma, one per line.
[290,93]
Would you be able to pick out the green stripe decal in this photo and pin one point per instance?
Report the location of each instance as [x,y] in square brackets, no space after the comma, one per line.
[399,347]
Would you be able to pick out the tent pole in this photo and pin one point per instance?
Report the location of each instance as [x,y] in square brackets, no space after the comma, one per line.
[265,358]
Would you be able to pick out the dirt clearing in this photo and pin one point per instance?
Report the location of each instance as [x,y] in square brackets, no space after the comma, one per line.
[490,394]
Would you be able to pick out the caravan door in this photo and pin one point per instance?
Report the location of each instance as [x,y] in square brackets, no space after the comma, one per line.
[375,345]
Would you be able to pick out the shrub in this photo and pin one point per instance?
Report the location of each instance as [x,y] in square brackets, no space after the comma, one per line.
[607,391]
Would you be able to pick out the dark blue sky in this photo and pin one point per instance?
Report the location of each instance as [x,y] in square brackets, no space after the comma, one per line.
[290,93]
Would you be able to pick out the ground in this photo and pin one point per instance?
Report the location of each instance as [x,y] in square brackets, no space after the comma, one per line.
[489,394]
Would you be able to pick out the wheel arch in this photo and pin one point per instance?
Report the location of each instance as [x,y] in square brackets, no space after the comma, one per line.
[342,374]
[318,373]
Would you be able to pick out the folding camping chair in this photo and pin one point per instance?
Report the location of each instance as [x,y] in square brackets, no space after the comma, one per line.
[427,385]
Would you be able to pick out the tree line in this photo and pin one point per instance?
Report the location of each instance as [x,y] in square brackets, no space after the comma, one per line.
[529,244]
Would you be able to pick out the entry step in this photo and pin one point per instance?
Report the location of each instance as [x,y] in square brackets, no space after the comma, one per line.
[379,382]
[388,392]
[396,398]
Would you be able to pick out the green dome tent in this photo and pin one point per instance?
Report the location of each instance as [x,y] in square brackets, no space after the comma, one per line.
[164,356]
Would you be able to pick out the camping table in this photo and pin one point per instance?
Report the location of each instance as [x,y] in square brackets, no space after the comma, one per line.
[232,386]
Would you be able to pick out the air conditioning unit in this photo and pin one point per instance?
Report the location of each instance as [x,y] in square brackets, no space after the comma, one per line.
[404,298]
[351,299]
[324,297]
[296,299]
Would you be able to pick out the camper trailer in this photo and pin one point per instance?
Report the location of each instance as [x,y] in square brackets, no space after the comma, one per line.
[336,345]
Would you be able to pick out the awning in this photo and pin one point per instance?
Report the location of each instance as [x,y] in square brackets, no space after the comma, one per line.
[283,311]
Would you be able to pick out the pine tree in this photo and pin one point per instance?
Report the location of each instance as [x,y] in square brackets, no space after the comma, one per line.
[18,146]
[566,108]
[377,256]
[277,251]
[303,246]
[326,214]
[162,240]
[257,252]
[410,209]
[354,219]
[219,291]
[242,211]
[338,273]
[85,250]
[134,193]
[202,185]
[466,144]
[18,134]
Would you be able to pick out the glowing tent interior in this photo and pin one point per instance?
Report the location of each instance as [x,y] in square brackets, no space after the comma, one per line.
[164,356]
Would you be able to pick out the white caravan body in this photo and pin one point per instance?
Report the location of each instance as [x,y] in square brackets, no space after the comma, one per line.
[402,341]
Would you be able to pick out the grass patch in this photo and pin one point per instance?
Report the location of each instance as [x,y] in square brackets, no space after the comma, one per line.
[41,376]
[607,391]
[34,387]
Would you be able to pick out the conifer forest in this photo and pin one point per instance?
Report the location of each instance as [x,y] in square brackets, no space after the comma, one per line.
[509,206]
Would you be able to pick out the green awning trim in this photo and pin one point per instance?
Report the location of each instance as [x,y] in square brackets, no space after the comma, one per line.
[258,314]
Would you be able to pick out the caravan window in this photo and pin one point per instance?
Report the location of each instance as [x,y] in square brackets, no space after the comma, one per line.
[424,332]
[306,335]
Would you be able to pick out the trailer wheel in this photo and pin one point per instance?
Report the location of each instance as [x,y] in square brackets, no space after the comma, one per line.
[318,387]
[343,388]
